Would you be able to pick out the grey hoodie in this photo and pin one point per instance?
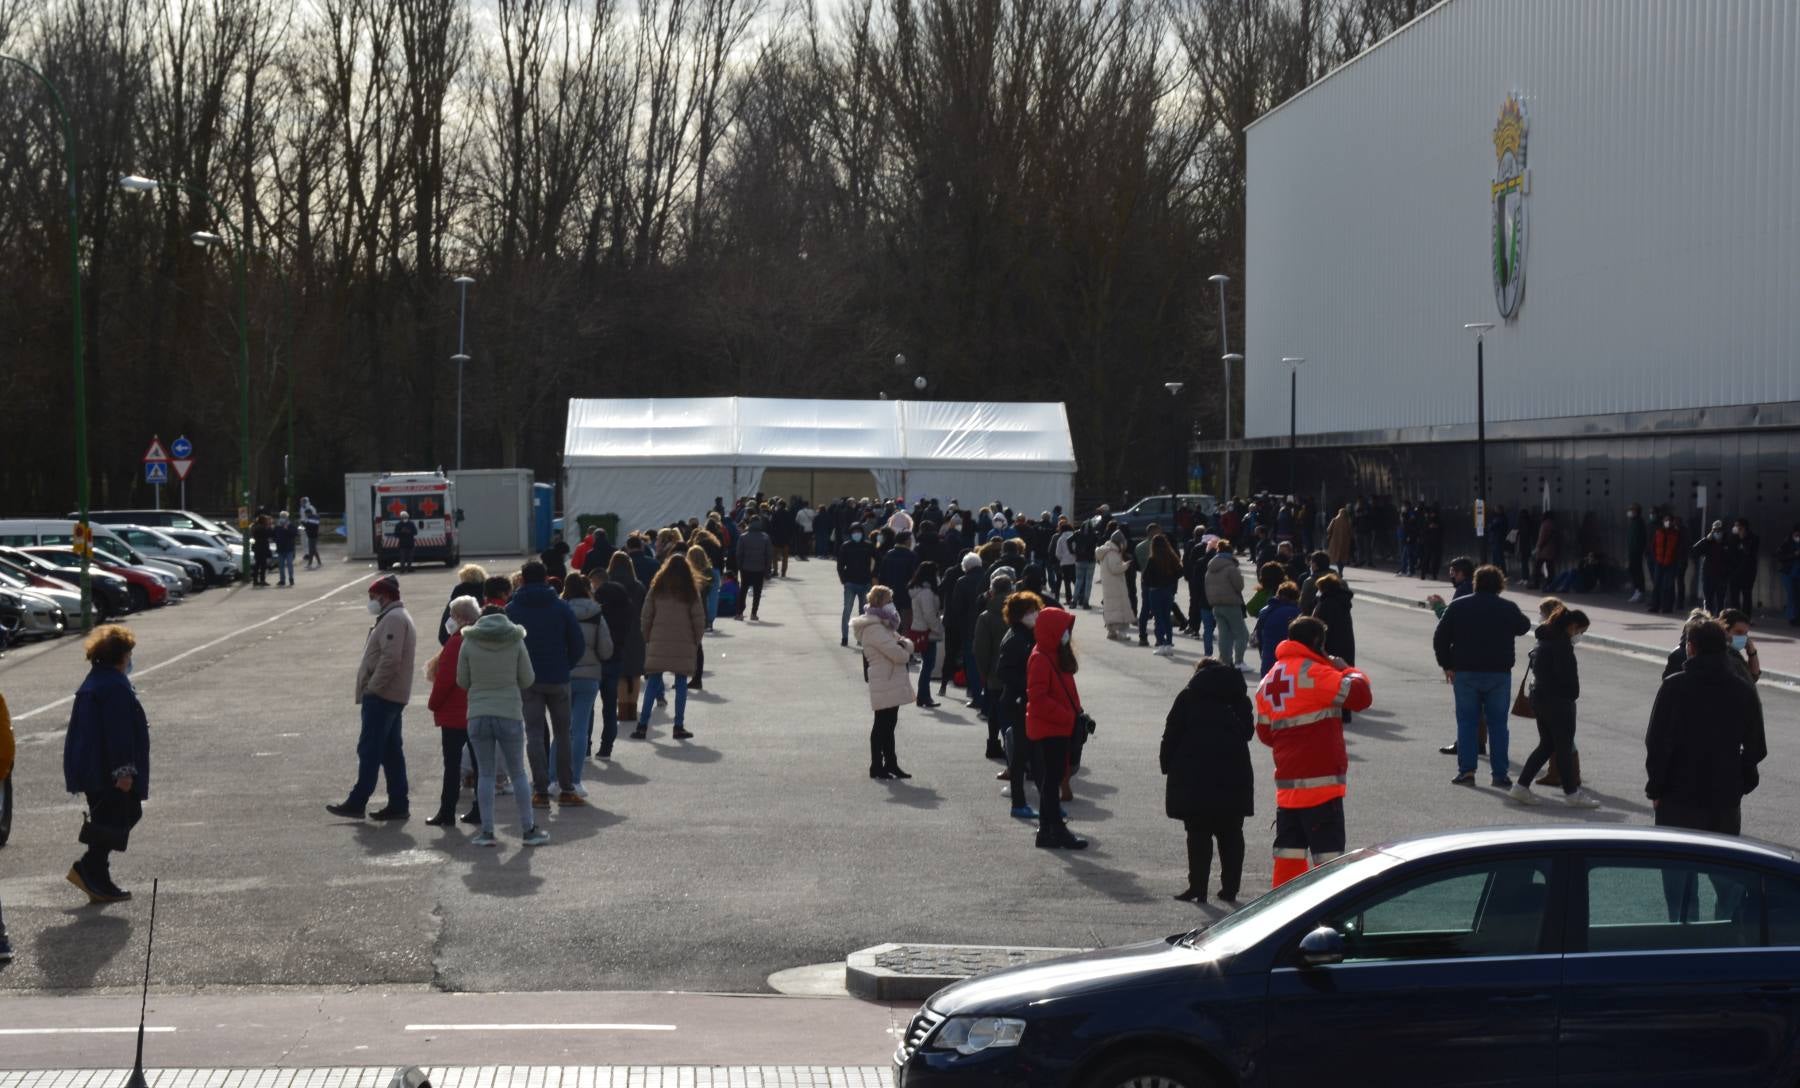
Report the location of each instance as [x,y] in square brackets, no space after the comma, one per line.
[494,667]
[587,614]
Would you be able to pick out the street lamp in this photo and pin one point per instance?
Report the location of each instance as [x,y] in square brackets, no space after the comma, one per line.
[135,183]
[1480,329]
[1293,362]
[78,337]
[462,323]
[1228,359]
[1179,485]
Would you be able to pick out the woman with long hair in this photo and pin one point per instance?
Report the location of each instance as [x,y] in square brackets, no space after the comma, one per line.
[714,554]
[674,622]
[586,674]
[885,655]
[622,572]
[1161,577]
[927,627]
[706,580]
[1556,684]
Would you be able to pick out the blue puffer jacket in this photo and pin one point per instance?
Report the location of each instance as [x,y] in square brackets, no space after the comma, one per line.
[1272,627]
[553,636]
[108,733]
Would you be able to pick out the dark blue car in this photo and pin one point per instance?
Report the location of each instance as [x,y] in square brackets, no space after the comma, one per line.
[1503,956]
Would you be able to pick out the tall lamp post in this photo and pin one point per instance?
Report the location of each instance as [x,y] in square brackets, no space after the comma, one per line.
[77,338]
[1179,487]
[133,183]
[1226,357]
[1293,362]
[1480,329]
[461,357]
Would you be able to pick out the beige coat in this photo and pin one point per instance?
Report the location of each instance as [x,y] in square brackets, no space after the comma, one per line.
[887,654]
[387,661]
[672,637]
[1115,599]
[1340,536]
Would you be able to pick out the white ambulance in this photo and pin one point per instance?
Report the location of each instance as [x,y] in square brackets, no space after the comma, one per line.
[429,498]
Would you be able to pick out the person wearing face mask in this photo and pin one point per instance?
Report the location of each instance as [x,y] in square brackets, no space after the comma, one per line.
[1747,549]
[1556,684]
[1665,549]
[886,655]
[1743,648]
[1637,543]
[1714,557]
[855,570]
[106,758]
[1705,738]
[286,536]
[1787,564]
[449,706]
[1021,613]
[1052,715]
[383,687]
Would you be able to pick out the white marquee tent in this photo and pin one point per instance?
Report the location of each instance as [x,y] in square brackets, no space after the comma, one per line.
[654,460]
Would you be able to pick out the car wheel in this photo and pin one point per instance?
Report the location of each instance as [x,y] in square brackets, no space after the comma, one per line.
[140,598]
[1152,1070]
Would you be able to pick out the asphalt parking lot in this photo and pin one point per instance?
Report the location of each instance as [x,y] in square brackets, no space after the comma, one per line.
[704,866]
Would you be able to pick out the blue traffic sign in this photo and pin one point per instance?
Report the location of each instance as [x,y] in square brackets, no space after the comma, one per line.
[156,472]
[181,448]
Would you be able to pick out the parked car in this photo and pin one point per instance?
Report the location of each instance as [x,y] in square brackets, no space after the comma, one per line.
[1579,955]
[162,519]
[112,594]
[163,544]
[178,576]
[1162,509]
[24,614]
[147,590]
[200,538]
[67,598]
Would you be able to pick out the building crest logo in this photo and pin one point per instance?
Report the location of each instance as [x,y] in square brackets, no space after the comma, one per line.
[1508,198]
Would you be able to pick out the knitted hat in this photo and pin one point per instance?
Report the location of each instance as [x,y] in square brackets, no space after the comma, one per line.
[387,585]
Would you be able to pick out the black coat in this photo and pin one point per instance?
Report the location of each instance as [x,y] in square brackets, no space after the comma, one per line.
[1206,747]
[1705,737]
[1553,671]
[1477,633]
[1015,652]
[965,606]
[1340,633]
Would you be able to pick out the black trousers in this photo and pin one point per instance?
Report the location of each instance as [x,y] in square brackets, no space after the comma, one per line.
[453,741]
[1556,740]
[1052,765]
[750,591]
[406,556]
[117,811]
[1229,832]
[1021,760]
[881,739]
[1724,819]
[1741,593]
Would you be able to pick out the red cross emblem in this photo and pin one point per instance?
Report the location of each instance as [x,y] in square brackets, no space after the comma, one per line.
[428,507]
[1276,688]
[395,508]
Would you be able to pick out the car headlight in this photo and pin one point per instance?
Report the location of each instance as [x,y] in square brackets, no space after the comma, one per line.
[974,1034]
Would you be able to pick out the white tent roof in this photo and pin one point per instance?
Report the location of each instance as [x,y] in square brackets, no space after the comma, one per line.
[767,432]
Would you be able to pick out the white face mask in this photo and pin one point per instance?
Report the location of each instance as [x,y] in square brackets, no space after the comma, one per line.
[374,606]
[1575,638]
[1029,619]
[451,626]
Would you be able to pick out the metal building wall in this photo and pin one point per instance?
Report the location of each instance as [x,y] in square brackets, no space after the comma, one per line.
[1663,250]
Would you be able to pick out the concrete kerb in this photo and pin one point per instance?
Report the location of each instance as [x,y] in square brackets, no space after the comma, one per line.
[913,972]
[1607,642]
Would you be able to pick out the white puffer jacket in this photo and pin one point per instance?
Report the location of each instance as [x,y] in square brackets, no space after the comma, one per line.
[887,654]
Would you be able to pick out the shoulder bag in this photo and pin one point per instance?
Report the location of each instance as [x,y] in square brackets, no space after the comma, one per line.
[1522,706]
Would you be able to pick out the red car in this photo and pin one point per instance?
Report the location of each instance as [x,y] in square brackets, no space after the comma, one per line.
[146,590]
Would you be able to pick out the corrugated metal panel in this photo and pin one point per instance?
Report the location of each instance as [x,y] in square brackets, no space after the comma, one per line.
[1663,260]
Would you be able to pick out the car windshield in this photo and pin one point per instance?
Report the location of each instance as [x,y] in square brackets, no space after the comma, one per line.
[1256,921]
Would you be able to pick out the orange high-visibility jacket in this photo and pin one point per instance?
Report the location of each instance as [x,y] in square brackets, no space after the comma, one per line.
[1299,713]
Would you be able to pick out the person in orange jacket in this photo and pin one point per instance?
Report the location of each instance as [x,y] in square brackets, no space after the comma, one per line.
[1052,710]
[1299,714]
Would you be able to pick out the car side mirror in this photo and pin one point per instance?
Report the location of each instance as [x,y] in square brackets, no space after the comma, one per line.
[1321,947]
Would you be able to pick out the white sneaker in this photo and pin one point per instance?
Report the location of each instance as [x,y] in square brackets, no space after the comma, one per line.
[1581,799]
[1636,596]
[1522,794]
[502,787]
[580,790]
[1006,790]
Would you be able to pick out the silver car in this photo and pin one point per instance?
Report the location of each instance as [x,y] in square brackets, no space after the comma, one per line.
[155,543]
[24,614]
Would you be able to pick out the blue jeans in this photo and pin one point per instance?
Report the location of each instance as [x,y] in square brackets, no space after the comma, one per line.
[582,694]
[1790,583]
[859,593]
[1162,606]
[653,689]
[822,541]
[378,751]
[609,703]
[712,601]
[284,561]
[928,656]
[1481,694]
[1084,584]
[1208,623]
[1234,635]
[496,740]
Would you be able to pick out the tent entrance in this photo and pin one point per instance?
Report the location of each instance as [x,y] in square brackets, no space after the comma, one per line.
[820,487]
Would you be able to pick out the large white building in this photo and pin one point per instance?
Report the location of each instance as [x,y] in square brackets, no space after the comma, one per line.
[1612,185]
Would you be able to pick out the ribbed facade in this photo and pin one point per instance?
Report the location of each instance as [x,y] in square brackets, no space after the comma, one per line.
[1662,258]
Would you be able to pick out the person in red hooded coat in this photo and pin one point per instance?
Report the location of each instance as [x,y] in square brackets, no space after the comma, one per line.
[1052,706]
[1299,713]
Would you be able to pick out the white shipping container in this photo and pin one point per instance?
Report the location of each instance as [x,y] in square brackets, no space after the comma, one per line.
[1662,264]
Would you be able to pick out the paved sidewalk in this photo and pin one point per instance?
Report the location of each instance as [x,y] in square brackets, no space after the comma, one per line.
[1616,624]
[512,1076]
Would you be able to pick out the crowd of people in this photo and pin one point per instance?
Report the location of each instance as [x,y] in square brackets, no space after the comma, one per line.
[536,669]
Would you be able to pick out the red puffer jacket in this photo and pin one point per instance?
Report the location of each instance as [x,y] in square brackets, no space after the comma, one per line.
[1051,698]
[448,703]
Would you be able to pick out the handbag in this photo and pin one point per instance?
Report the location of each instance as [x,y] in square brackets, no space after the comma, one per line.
[1522,706]
[104,836]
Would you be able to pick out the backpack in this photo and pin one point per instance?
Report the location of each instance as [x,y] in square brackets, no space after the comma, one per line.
[603,640]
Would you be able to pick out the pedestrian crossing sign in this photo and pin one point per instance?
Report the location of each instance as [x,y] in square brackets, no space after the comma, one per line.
[156,472]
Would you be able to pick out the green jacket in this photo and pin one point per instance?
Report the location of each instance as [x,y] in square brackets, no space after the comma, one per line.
[990,628]
[494,667]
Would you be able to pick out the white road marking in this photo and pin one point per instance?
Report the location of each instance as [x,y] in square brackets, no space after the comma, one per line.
[140,673]
[540,1027]
[84,1031]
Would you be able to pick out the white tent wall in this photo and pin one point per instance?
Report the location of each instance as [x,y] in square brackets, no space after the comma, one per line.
[653,460]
